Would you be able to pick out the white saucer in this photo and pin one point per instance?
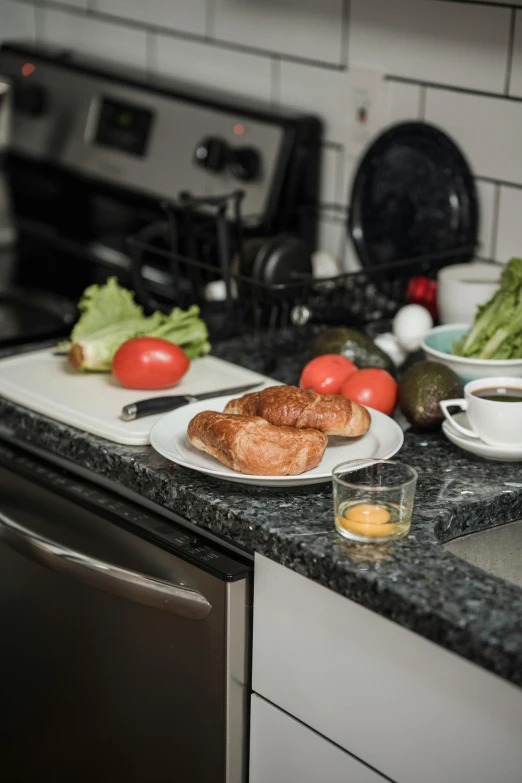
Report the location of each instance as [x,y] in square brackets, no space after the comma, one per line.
[477,446]
[168,437]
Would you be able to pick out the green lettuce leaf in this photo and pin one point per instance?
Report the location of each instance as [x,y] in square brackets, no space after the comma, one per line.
[110,317]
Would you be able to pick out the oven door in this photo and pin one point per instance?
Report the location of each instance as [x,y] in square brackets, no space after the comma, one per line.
[120,661]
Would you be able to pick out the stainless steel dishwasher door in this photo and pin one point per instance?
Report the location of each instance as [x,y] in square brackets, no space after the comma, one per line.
[105,676]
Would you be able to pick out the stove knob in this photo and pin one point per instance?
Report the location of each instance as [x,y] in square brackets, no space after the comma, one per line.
[244,163]
[211,153]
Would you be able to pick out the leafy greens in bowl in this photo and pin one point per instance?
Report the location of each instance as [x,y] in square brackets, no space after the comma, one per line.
[496,332]
[438,347]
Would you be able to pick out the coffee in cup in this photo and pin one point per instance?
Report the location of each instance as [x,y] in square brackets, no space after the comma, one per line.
[494,410]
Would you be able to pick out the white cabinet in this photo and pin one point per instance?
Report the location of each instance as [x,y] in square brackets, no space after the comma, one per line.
[282,750]
[403,705]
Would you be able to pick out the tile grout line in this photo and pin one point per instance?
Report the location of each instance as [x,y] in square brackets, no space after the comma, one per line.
[453,88]
[488,3]
[210,20]
[150,54]
[510,50]
[345,33]
[496,221]
[275,82]
[340,176]
[504,183]
[422,102]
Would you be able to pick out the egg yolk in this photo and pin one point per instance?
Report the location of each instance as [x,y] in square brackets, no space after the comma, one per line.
[367,520]
[366,512]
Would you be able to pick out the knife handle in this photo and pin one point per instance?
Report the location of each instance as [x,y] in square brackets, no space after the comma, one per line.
[136,410]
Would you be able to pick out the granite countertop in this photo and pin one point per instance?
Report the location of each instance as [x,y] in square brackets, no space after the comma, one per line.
[413,582]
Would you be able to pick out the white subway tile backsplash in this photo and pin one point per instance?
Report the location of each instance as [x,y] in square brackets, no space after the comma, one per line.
[184,15]
[333,239]
[404,102]
[320,91]
[310,29]
[76,3]
[87,34]
[486,194]
[509,236]
[488,130]
[350,167]
[515,85]
[213,66]
[462,44]
[331,181]
[16,21]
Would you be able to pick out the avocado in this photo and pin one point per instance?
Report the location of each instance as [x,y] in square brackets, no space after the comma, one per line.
[421,389]
[356,346]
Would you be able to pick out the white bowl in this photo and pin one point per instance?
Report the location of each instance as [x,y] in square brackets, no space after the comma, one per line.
[462,287]
[437,347]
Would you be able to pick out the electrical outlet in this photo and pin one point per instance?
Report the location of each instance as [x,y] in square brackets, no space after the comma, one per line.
[367,108]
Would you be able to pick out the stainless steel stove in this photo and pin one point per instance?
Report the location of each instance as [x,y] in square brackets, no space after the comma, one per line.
[92,155]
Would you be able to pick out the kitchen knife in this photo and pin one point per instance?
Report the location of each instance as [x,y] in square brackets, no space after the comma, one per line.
[154,405]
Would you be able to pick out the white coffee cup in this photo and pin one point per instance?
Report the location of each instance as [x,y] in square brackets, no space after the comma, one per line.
[496,422]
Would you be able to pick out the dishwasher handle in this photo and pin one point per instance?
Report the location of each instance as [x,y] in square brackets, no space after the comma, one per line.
[175,598]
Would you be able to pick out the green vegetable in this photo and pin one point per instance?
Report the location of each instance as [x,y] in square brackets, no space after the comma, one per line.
[110,317]
[496,332]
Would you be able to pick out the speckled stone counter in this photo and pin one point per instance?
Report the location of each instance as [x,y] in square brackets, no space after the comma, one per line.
[413,582]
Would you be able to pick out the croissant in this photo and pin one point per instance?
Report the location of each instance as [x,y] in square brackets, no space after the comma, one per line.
[249,444]
[289,406]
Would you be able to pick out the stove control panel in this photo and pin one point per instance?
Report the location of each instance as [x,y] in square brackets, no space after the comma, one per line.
[156,139]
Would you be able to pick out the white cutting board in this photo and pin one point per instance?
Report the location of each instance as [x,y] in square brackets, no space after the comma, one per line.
[93,401]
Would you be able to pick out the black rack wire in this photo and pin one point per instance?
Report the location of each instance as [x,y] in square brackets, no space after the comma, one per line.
[201,241]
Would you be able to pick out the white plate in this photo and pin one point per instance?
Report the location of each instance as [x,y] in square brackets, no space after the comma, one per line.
[169,438]
[477,446]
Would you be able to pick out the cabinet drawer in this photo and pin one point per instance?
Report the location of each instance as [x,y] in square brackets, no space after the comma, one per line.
[398,702]
[282,750]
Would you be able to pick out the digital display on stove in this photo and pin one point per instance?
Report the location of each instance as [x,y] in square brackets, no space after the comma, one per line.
[124,127]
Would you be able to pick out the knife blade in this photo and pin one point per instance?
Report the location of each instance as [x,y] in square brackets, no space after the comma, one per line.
[154,405]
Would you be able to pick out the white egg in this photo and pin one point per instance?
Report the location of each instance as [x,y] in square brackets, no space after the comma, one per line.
[411,325]
[388,343]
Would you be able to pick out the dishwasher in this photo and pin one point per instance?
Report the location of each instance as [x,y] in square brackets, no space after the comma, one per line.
[125,637]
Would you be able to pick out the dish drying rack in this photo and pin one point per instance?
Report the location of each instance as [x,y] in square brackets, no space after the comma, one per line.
[201,241]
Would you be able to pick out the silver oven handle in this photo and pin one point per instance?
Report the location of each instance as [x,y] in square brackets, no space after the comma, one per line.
[175,598]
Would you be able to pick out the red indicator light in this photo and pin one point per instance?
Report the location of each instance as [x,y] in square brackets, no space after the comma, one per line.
[238,129]
[28,69]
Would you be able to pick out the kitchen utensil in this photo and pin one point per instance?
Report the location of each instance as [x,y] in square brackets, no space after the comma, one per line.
[437,346]
[413,194]
[373,499]
[496,421]
[92,402]
[462,287]
[152,405]
[168,437]
[476,445]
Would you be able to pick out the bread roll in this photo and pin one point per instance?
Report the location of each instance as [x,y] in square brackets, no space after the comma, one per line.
[289,406]
[249,444]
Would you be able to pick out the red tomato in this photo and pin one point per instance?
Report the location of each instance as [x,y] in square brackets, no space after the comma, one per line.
[372,387]
[326,374]
[149,363]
